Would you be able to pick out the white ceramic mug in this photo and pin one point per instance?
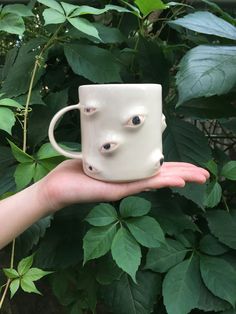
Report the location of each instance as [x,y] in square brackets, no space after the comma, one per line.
[121,127]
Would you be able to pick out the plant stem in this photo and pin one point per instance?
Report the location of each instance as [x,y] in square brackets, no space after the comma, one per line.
[225,203]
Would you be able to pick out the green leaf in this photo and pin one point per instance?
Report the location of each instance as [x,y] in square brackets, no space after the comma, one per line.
[18,76]
[206,23]
[206,71]
[7,119]
[25,264]
[52,4]
[133,206]
[107,270]
[39,172]
[28,286]
[102,215]
[97,241]
[194,192]
[29,238]
[211,246]
[95,64]
[47,151]
[124,296]
[216,8]
[219,277]
[181,287]
[12,23]
[14,286]
[85,9]
[10,273]
[213,194]
[10,103]
[146,230]
[126,252]
[223,225]
[19,154]
[34,274]
[174,222]
[208,301]
[185,142]
[52,16]
[24,174]
[84,26]
[69,8]
[162,259]
[148,6]
[229,170]
[18,9]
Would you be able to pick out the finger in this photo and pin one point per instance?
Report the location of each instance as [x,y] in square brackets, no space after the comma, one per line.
[180,170]
[184,165]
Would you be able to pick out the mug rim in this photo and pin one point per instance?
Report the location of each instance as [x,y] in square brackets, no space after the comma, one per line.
[122,85]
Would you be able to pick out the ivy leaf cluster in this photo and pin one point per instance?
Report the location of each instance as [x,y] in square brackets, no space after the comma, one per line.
[24,276]
[122,234]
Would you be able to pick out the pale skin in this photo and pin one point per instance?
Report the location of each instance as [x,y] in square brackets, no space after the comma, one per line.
[67,184]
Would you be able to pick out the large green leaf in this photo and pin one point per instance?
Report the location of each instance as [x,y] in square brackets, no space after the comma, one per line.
[8,102]
[193,192]
[206,23]
[181,287]
[53,4]
[31,237]
[148,6]
[24,174]
[97,241]
[52,16]
[219,277]
[146,230]
[18,9]
[133,206]
[206,71]
[185,142]
[85,9]
[19,154]
[19,75]
[102,215]
[211,246]
[12,23]
[25,264]
[126,252]
[163,258]
[95,64]
[213,194]
[229,170]
[7,119]
[84,26]
[124,296]
[14,286]
[223,225]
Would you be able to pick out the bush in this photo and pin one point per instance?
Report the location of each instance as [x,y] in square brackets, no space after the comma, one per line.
[174,250]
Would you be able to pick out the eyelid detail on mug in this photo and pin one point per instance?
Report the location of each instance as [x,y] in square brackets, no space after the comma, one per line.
[109,147]
[91,168]
[135,121]
[88,110]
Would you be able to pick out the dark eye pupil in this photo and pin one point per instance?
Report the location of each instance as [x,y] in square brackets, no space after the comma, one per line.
[107,146]
[90,168]
[136,120]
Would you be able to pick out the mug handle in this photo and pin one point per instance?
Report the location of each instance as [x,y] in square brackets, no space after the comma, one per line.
[51,133]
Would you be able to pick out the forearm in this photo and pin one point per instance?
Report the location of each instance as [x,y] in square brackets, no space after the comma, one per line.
[20,211]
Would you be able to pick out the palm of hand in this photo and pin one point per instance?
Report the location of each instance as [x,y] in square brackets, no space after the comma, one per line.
[68,184]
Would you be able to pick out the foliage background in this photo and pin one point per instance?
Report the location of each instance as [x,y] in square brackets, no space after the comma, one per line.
[47,51]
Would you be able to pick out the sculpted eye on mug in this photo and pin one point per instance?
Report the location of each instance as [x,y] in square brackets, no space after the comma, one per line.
[89,110]
[135,121]
[108,147]
[91,169]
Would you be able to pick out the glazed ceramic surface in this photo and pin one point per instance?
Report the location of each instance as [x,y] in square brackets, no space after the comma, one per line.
[121,127]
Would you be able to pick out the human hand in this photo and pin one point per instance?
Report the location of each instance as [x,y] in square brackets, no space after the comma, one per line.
[68,184]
